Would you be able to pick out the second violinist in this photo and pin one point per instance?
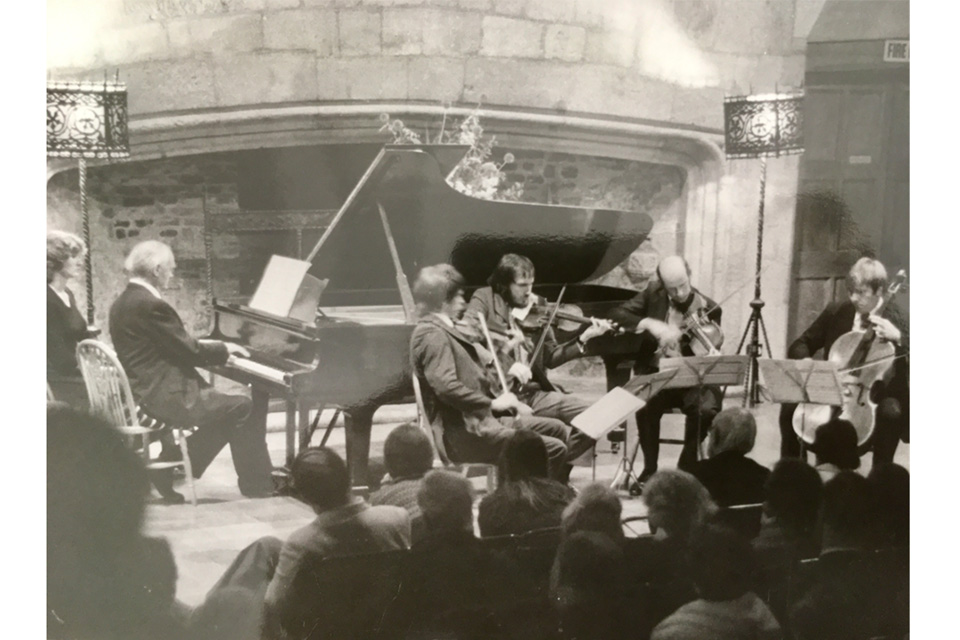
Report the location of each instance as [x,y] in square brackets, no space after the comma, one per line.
[659,315]
[511,285]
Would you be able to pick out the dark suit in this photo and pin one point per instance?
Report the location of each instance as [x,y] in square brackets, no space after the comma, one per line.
[698,405]
[457,395]
[65,329]
[160,359]
[893,408]
[542,395]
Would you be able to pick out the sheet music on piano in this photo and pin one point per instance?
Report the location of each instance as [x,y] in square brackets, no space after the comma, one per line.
[279,285]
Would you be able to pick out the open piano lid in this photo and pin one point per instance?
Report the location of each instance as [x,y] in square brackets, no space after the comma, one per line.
[432,223]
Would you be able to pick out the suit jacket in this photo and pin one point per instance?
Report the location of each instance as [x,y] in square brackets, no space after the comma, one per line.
[653,302]
[353,529]
[836,320]
[496,313]
[65,328]
[457,392]
[157,353]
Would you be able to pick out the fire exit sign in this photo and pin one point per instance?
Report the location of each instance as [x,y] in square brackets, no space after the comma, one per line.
[896,51]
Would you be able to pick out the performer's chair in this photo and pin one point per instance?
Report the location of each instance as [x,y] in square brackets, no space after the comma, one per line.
[111,398]
[435,432]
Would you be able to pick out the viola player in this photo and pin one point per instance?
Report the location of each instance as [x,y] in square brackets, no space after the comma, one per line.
[866,283]
[658,314]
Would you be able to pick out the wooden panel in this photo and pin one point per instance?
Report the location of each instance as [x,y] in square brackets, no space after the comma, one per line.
[861,222]
[862,115]
[817,216]
[812,296]
[826,264]
[821,124]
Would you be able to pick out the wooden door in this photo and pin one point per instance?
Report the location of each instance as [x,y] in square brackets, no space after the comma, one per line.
[853,197]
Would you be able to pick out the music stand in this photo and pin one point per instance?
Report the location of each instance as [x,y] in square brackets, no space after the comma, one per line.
[644,387]
[684,373]
[802,381]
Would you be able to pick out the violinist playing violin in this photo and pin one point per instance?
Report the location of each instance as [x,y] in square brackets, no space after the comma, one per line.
[501,305]
[866,283]
[659,314]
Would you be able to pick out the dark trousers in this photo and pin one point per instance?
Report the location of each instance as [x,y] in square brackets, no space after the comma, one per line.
[699,405]
[221,419]
[486,446]
[890,420]
[564,407]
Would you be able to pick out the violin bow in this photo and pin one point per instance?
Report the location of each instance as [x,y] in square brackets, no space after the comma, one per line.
[493,352]
[543,334]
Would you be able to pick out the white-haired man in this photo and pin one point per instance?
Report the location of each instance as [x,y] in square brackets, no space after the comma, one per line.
[160,359]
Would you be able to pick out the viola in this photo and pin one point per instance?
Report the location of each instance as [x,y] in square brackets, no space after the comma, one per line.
[703,336]
[863,362]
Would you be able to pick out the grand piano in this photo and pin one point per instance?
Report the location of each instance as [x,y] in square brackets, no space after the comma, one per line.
[401,216]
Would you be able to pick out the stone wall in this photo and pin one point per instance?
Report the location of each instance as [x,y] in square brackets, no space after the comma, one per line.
[666,64]
[164,199]
[155,200]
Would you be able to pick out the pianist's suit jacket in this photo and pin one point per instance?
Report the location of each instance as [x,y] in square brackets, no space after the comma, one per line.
[458,392]
[157,353]
[652,302]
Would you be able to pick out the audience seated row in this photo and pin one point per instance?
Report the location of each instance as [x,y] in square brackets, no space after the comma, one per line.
[828,561]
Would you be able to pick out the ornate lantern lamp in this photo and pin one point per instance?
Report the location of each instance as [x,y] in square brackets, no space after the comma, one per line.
[87,120]
[761,126]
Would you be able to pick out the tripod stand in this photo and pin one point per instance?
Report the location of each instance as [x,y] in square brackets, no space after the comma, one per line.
[755,324]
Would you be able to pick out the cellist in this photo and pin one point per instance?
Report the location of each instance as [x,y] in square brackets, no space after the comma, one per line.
[866,283]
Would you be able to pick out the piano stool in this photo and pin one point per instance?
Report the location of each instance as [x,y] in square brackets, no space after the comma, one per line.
[435,432]
[110,397]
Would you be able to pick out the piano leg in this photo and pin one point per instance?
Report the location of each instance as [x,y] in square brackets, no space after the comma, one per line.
[358,422]
[303,425]
[291,432]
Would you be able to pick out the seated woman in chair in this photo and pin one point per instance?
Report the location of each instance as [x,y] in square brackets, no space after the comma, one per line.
[66,327]
[527,499]
[728,474]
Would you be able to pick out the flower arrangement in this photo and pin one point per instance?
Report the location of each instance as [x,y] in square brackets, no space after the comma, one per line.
[476,175]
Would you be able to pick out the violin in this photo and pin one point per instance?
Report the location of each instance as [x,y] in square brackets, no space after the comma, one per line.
[863,362]
[567,317]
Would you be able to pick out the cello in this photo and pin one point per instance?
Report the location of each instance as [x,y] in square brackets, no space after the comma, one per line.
[862,362]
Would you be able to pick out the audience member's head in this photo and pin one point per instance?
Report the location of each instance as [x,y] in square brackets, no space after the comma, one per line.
[734,429]
[446,502]
[524,457]
[835,442]
[321,478]
[721,562]
[891,484]
[61,247]
[677,503]
[792,496]
[587,585]
[407,452]
[849,512]
[597,508]
[104,579]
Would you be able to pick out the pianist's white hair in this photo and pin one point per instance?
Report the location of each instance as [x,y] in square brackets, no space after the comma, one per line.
[144,258]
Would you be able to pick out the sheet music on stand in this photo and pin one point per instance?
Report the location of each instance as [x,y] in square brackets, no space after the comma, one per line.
[802,381]
[694,371]
[608,412]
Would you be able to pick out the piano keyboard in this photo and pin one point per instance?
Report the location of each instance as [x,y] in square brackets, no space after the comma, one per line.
[257,369]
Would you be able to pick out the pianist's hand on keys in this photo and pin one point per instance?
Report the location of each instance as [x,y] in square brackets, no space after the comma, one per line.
[236,350]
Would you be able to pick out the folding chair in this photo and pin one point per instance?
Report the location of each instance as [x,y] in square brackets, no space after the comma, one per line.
[435,432]
[111,398]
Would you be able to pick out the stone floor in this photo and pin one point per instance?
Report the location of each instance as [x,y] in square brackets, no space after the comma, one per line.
[205,539]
